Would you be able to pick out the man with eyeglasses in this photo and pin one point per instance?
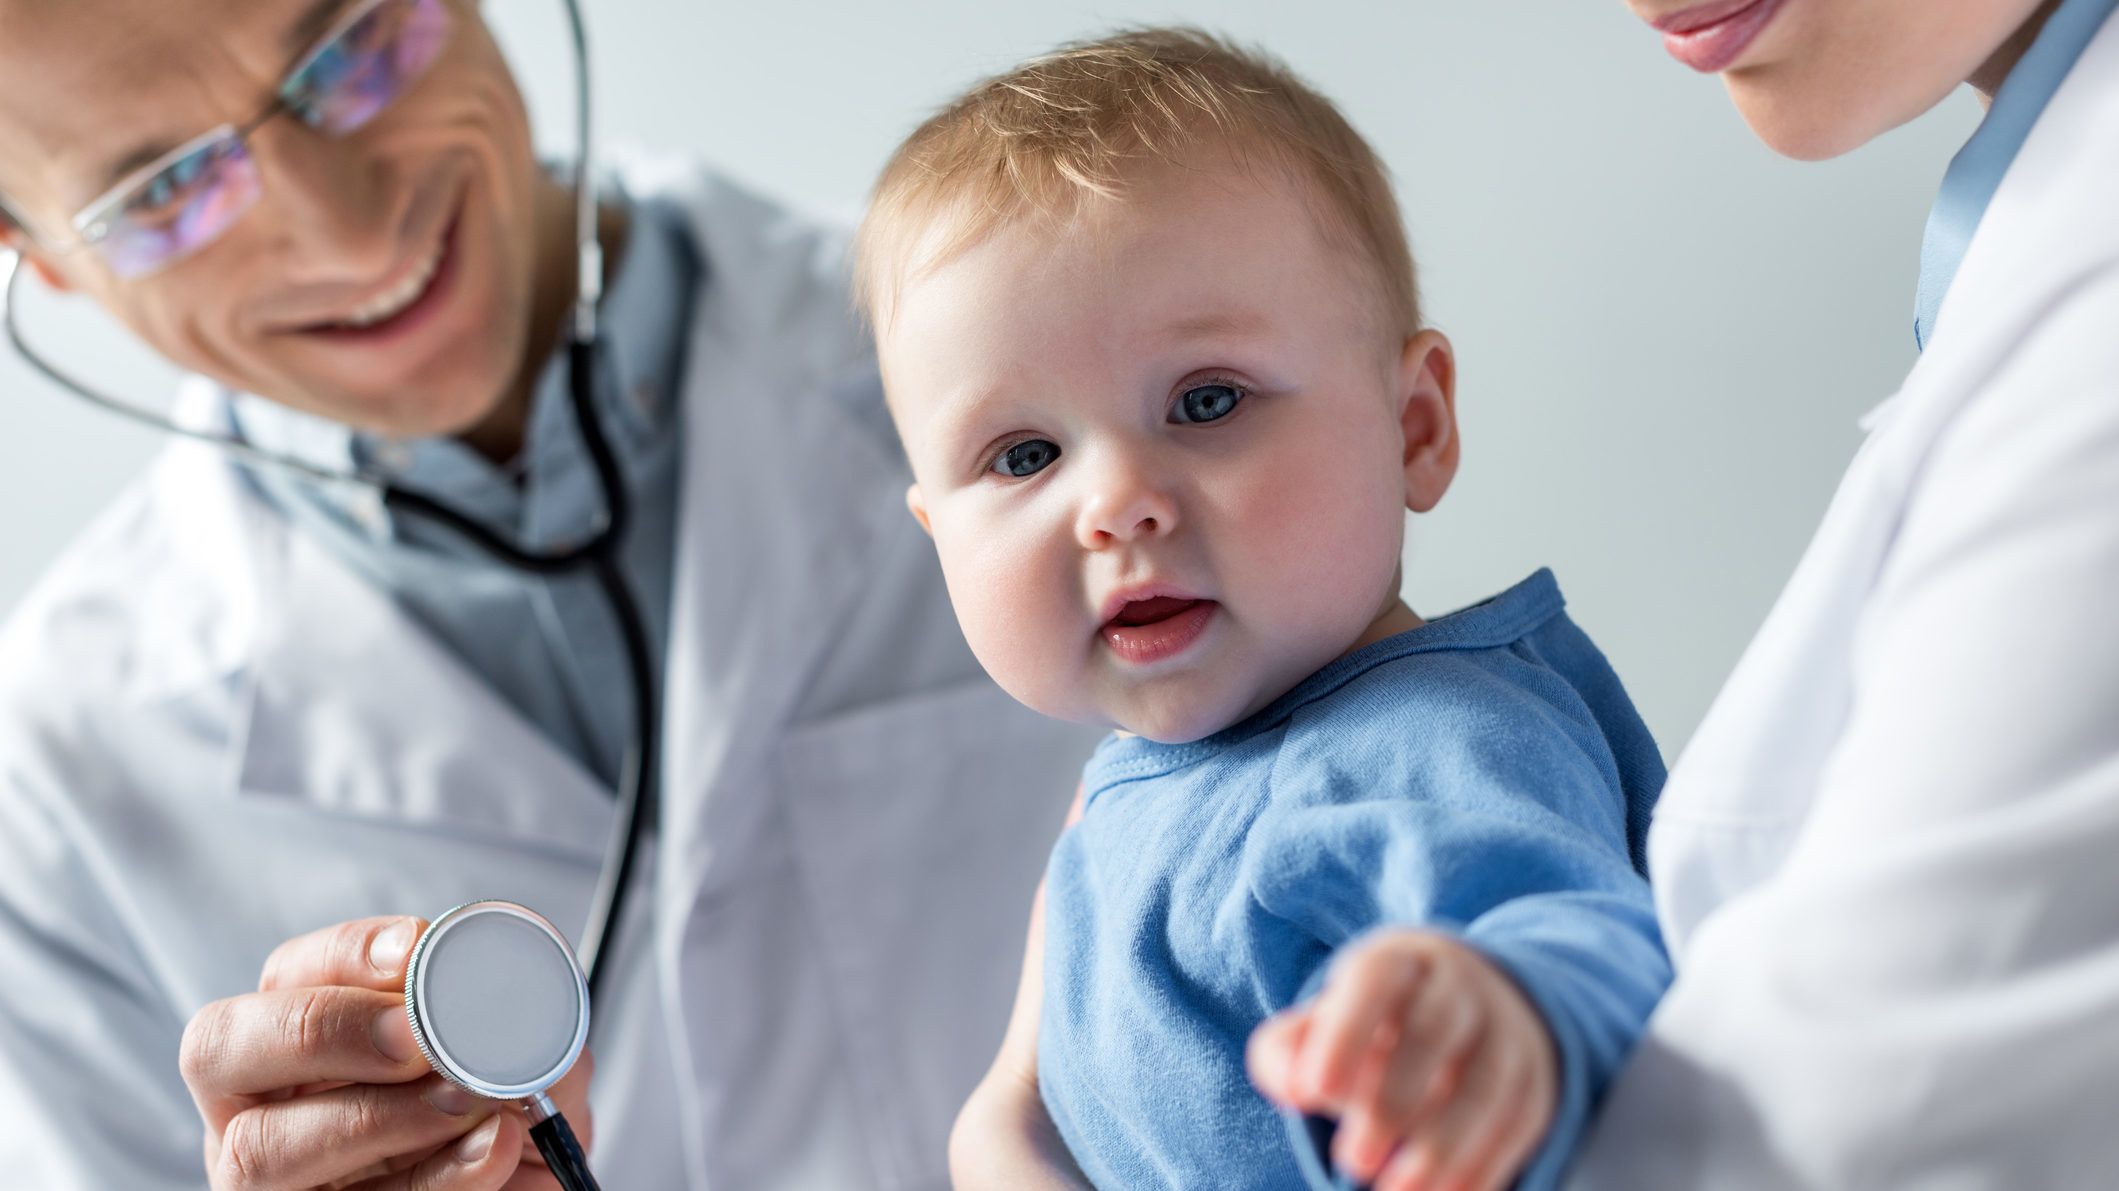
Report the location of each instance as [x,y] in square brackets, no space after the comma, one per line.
[247,705]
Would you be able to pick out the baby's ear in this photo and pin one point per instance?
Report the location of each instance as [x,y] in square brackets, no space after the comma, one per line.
[918,504]
[1427,415]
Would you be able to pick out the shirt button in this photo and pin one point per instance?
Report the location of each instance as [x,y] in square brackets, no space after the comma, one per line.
[395,457]
[370,515]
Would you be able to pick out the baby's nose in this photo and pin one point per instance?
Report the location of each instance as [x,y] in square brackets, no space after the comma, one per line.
[1128,508]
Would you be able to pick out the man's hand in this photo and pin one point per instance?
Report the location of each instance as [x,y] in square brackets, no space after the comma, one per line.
[314,1081]
[1440,1073]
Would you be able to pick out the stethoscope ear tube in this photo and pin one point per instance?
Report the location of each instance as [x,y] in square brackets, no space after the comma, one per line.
[635,813]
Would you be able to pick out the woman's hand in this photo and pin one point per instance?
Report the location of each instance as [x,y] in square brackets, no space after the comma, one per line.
[314,1081]
[1438,1070]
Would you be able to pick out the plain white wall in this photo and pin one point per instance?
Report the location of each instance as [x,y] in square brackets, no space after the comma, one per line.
[1666,332]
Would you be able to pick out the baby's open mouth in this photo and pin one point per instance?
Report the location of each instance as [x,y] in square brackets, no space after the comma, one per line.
[1140,612]
[1144,631]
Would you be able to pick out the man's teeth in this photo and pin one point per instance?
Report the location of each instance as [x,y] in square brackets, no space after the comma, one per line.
[392,302]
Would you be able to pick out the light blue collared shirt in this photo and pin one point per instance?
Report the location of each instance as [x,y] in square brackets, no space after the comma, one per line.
[547,645]
[1977,170]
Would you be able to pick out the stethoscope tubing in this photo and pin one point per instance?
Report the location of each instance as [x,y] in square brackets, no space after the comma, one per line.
[562,1152]
[598,556]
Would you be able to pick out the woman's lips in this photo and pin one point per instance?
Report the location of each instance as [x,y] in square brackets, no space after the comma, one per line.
[1711,37]
[1150,630]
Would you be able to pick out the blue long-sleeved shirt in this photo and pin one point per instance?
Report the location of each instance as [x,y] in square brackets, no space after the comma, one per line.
[1484,775]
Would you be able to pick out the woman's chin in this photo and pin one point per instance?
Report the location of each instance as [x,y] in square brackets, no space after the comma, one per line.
[1797,130]
[1810,123]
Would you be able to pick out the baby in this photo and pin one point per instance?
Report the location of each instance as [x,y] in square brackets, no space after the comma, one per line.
[1148,327]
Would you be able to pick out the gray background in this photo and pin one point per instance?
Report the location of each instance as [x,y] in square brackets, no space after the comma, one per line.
[1665,332]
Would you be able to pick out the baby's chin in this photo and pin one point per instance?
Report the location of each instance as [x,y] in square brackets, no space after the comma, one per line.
[1177,715]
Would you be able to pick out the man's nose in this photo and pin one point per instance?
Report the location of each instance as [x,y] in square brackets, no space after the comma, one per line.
[1129,501]
[335,204]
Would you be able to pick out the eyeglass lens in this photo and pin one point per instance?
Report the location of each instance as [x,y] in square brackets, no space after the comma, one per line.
[187,201]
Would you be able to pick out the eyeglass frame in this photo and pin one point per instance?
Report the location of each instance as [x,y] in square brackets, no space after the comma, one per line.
[91,224]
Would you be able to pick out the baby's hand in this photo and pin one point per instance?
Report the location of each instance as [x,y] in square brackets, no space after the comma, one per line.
[1439,1071]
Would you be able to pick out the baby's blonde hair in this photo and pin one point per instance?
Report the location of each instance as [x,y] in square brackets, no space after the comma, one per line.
[1073,123]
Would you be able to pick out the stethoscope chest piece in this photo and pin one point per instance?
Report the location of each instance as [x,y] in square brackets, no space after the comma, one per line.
[499,1005]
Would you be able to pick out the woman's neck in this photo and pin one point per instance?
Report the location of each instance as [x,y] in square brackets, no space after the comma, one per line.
[1995,70]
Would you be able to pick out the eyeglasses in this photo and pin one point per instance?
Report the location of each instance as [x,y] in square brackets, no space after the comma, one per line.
[187,198]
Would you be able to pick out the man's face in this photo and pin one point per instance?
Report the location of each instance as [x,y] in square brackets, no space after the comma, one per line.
[383,278]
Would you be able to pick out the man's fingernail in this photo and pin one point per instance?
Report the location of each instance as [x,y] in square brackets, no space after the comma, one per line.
[479,1142]
[446,1097]
[393,1036]
[387,950]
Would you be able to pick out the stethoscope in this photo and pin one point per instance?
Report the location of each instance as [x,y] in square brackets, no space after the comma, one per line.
[500,1007]
[486,956]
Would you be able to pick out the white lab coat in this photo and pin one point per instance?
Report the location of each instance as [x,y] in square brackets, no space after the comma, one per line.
[214,736]
[1888,863]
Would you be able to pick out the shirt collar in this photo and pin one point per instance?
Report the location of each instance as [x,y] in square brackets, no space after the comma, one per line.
[642,325]
[1977,170]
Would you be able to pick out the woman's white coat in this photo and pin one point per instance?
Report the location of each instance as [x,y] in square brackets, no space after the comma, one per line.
[1888,863]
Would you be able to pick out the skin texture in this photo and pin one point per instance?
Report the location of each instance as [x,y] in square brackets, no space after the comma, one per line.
[1289,512]
[1827,76]
[1438,1071]
[312,1080]
[340,220]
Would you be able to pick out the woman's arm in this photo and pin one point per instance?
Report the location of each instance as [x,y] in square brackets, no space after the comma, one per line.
[1003,1137]
[1927,992]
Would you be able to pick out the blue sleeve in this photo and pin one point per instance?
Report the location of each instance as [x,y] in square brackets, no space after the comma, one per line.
[1504,828]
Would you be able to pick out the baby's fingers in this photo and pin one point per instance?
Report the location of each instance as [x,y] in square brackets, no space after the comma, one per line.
[1272,1051]
[1442,1032]
[1475,1142]
[1364,999]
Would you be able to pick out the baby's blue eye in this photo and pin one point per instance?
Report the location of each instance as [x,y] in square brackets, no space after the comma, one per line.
[1206,403]
[1027,458]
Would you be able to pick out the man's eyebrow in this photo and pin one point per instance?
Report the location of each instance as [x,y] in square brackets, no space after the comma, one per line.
[299,37]
[141,155]
[306,30]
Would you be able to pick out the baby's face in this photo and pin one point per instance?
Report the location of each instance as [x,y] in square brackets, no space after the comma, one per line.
[1161,450]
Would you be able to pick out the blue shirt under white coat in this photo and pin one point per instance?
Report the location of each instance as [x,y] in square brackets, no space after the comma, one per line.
[1977,170]
[549,645]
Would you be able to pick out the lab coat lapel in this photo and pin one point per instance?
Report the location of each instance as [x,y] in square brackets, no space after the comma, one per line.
[769,555]
[752,609]
[354,707]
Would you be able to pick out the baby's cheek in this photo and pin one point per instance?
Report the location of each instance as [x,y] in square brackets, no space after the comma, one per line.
[1332,528]
[1009,607]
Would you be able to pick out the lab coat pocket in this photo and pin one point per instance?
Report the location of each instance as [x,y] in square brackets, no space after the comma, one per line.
[921,828]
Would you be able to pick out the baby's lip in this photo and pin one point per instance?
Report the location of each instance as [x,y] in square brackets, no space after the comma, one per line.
[1144,604]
